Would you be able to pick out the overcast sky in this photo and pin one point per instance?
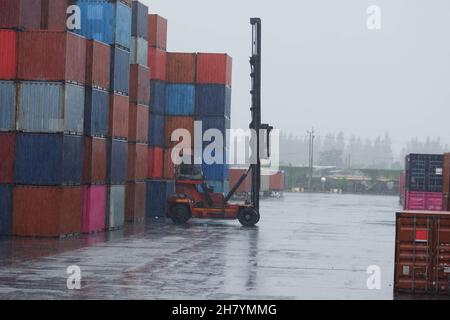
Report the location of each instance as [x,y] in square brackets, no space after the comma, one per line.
[322,67]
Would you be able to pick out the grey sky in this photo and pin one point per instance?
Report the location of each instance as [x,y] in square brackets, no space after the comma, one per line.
[322,67]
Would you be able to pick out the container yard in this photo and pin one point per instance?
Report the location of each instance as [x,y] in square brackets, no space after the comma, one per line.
[119,122]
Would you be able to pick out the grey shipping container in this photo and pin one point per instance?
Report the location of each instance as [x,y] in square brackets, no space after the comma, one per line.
[117,161]
[8,90]
[115,215]
[120,69]
[5,209]
[139,51]
[96,113]
[50,107]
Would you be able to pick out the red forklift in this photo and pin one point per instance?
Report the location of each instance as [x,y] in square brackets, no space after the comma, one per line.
[193,198]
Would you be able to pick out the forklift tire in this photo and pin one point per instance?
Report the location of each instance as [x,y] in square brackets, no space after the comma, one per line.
[180,214]
[248,217]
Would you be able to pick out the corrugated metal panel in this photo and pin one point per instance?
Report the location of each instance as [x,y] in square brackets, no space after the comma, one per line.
[20,14]
[123,25]
[135,201]
[120,67]
[5,209]
[117,161]
[157,31]
[180,100]
[181,67]
[48,159]
[7,147]
[157,96]
[96,112]
[158,191]
[139,85]
[156,125]
[139,52]
[157,60]
[8,91]
[115,217]
[213,101]
[214,69]
[94,206]
[139,25]
[8,54]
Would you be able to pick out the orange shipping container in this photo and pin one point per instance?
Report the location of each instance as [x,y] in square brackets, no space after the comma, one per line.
[135,201]
[47,211]
[95,160]
[119,116]
[157,31]
[181,67]
[139,84]
[137,162]
[138,123]
[98,64]
[157,61]
[155,162]
[213,68]
[175,123]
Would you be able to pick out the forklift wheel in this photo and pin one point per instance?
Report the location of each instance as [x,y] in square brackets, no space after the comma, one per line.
[180,214]
[248,217]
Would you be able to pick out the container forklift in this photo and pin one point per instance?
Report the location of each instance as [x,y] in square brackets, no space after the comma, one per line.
[193,198]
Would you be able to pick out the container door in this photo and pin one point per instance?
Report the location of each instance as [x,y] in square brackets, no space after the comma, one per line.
[441,270]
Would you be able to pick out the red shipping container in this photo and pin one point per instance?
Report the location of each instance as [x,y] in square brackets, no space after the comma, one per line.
[7,150]
[54,15]
[213,68]
[138,123]
[137,162]
[52,56]
[119,116]
[276,182]
[421,201]
[21,14]
[169,164]
[139,84]
[181,67]
[47,211]
[8,54]
[135,201]
[98,63]
[234,175]
[95,160]
[157,32]
[94,206]
[155,162]
[157,62]
[175,123]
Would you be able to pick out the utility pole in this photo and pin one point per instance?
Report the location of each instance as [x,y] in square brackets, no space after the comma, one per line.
[311,157]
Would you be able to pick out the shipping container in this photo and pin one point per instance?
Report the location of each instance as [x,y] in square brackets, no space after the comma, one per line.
[139,84]
[157,96]
[8,92]
[94,206]
[276,181]
[138,123]
[222,124]
[219,186]
[157,32]
[98,64]
[213,101]
[139,52]
[47,211]
[51,56]
[234,176]
[156,124]
[429,201]
[54,15]
[169,166]
[6,194]
[215,171]
[117,162]
[8,54]
[424,172]
[139,25]
[180,100]
[20,14]
[48,159]
[265,183]
[137,162]
[446,179]
[157,60]
[95,160]
[158,191]
[170,163]
[214,69]
[178,123]
[120,68]
[7,151]
[50,107]
[155,162]
[181,67]
[119,116]
[96,112]
[135,201]
[115,208]
[123,25]
[422,256]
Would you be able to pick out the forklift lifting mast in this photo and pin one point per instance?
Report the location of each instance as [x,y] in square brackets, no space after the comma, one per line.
[194,199]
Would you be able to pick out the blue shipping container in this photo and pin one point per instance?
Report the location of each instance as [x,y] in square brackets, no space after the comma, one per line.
[180,99]
[215,171]
[117,161]
[96,112]
[156,125]
[158,191]
[424,172]
[8,90]
[139,26]
[223,124]
[123,25]
[158,96]
[213,101]
[6,194]
[48,159]
[120,70]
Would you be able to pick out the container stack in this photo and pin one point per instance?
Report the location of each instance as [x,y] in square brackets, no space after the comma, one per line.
[424,182]
[136,188]
[446,182]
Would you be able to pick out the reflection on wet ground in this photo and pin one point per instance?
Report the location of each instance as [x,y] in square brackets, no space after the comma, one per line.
[307,246]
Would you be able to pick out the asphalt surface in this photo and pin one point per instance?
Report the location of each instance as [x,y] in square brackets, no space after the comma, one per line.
[307,246]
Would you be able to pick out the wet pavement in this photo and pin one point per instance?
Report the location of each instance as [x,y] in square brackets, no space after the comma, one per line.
[307,246]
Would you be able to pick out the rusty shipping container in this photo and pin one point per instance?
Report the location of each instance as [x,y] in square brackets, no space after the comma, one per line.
[155,162]
[47,211]
[139,84]
[157,32]
[422,253]
[54,15]
[213,68]
[95,160]
[98,63]
[7,151]
[137,162]
[8,54]
[175,123]
[52,56]
[119,116]
[181,67]
[20,14]
[157,61]
[138,124]
[135,201]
